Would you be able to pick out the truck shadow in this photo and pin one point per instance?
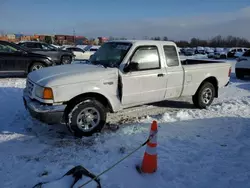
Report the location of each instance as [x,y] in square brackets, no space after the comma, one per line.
[175,104]
[188,144]
[245,86]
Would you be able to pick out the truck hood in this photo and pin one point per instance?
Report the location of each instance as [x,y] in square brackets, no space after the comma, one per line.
[71,74]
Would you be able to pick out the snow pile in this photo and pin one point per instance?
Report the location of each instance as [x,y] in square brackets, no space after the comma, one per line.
[197,148]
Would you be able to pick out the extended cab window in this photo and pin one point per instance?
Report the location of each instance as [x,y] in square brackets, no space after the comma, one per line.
[147,58]
[171,56]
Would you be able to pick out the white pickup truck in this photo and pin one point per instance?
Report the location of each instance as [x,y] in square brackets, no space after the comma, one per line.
[119,75]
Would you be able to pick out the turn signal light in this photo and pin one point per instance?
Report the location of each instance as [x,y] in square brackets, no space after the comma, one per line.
[229,72]
[47,93]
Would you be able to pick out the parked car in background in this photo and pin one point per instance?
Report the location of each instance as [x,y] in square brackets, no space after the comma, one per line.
[189,52]
[182,50]
[240,52]
[220,53]
[79,53]
[81,46]
[242,67]
[58,55]
[92,48]
[17,61]
[200,50]
[120,75]
[236,52]
[208,50]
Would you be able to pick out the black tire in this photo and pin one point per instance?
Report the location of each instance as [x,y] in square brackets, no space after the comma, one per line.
[78,109]
[198,98]
[239,75]
[36,66]
[66,60]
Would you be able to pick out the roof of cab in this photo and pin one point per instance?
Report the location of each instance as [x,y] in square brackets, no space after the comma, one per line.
[146,42]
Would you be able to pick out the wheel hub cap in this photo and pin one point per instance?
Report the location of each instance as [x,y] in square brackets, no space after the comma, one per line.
[207,95]
[88,119]
[37,67]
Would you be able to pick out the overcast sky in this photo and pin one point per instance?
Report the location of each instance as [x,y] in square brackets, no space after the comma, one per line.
[182,19]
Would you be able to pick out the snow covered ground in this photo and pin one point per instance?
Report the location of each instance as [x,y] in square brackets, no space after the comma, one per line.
[197,148]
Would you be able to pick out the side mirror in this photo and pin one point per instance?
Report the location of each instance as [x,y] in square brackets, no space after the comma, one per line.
[132,66]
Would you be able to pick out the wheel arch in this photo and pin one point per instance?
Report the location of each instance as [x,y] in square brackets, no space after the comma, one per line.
[90,95]
[213,81]
[35,61]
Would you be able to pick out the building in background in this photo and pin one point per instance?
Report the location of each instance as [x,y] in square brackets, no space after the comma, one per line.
[102,40]
[81,40]
[55,39]
[18,36]
[11,36]
[70,39]
[25,38]
[4,38]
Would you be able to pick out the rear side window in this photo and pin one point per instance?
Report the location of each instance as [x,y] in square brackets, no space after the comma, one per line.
[171,56]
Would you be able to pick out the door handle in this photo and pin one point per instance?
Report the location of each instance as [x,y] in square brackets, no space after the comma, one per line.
[160,75]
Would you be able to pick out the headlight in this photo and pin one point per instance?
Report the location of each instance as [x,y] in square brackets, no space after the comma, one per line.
[44,92]
[49,58]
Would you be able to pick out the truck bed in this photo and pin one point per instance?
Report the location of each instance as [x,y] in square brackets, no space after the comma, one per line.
[200,61]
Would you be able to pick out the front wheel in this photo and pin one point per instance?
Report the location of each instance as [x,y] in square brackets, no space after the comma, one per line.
[36,66]
[66,60]
[204,96]
[87,117]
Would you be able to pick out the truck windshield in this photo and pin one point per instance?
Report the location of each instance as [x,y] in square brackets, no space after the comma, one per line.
[110,54]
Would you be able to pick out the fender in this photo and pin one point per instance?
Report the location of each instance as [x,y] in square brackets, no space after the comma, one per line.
[65,93]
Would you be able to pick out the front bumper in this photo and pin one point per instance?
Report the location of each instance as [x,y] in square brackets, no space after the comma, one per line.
[50,114]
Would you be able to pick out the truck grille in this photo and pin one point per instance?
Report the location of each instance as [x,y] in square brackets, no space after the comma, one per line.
[30,87]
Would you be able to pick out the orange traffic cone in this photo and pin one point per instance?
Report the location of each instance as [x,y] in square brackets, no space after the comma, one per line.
[149,163]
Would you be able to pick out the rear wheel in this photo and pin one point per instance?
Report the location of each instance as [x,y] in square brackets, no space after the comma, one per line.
[66,60]
[204,96]
[87,117]
[36,66]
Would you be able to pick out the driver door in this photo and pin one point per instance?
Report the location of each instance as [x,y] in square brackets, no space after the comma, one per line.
[147,83]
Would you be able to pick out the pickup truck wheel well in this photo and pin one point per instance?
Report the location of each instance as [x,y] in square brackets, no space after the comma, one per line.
[213,81]
[103,100]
